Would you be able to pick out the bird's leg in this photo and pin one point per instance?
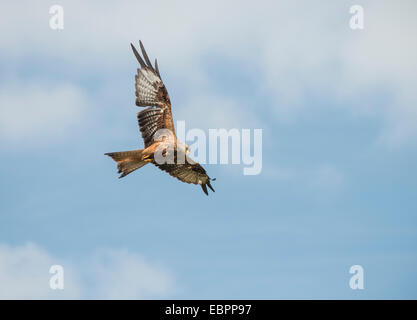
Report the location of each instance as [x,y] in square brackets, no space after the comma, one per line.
[146,158]
[148,153]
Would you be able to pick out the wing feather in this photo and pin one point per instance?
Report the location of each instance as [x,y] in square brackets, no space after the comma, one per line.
[157,69]
[151,91]
[150,121]
[137,55]
[188,172]
[149,88]
[145,55]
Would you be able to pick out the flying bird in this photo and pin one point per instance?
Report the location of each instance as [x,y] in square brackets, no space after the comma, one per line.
[158,132]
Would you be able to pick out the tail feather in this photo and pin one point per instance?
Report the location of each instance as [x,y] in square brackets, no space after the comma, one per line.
[127,161]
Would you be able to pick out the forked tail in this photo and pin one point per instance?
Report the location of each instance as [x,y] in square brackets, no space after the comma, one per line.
[127,161]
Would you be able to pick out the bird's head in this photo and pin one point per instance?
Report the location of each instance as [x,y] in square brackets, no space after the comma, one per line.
[183,147]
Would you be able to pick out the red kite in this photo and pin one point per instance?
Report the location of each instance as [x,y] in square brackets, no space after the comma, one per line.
[157,118]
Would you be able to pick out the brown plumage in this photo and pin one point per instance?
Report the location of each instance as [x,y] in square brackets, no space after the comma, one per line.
[156,119]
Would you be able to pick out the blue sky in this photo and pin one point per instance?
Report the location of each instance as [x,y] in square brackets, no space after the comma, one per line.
[338,187]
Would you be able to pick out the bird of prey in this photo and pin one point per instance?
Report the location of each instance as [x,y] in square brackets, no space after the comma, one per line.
[152,93]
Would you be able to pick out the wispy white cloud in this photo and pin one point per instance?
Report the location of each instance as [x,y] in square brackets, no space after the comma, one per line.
[120,274]
[24,274]
[327,177]
[30,111]
[384,56]
[218,112]
[296,48]
[109,274]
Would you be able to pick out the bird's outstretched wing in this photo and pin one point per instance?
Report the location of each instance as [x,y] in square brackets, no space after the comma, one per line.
[188,172]
[151,91]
